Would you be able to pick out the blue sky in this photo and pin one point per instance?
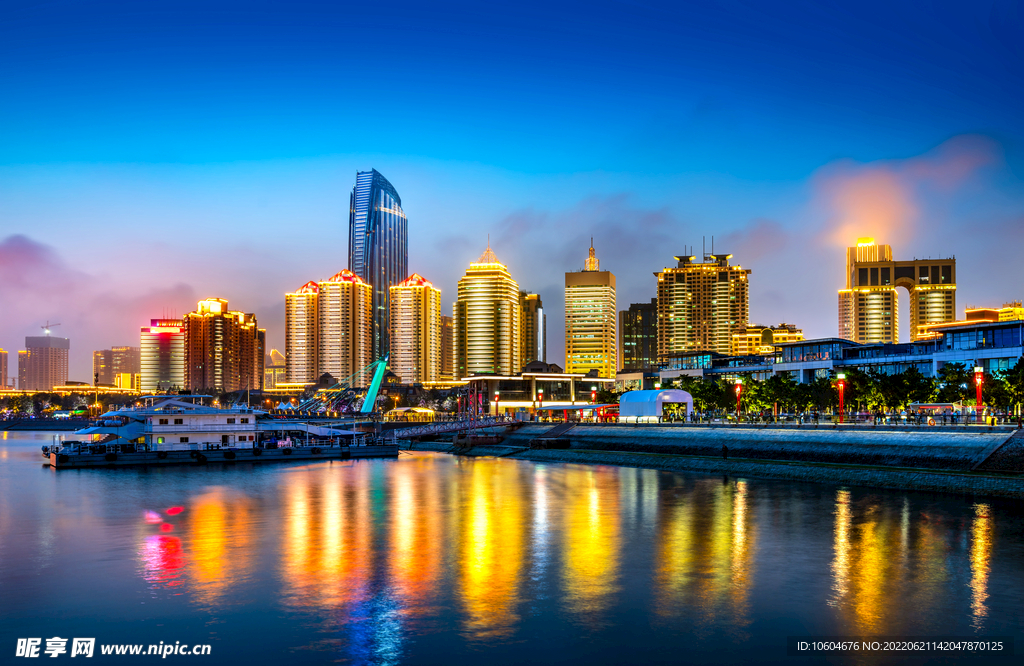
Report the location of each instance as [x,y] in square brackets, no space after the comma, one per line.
[153,154]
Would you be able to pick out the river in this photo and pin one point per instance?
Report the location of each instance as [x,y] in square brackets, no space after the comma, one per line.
[437,559]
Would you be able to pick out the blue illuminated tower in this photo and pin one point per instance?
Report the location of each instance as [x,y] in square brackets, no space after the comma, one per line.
[378,247]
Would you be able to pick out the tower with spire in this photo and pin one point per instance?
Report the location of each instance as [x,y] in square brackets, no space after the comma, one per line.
[590,318]
[488,319]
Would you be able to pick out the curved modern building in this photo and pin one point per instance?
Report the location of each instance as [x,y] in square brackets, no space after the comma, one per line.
[378,247]
[487,320]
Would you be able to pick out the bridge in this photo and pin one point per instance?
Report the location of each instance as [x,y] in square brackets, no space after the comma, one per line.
[441,427]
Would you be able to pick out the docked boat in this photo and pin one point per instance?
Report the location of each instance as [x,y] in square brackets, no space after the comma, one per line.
[168,430]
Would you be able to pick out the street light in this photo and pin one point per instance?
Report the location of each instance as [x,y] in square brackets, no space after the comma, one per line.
[593,395]
[841,384]
[739,391]
[979,378]
[497,398]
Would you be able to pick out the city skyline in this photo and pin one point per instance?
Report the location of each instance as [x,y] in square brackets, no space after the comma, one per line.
[776,132]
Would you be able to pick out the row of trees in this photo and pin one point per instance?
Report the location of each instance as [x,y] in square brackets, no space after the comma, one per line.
[864,391]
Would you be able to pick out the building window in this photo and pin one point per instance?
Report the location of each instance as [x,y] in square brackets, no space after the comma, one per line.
[163,421]
[245,420]
[183,440]
[231,420]
[178,421]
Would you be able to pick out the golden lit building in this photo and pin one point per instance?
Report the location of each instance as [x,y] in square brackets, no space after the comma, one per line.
[162,355]
[344,327]
[487,320]
[758,339]
[868,306]
[416,330]
[447,352]
[3,370]
[1012,311]
[533,336]
[701,305]
[300,334]
[44,363]
[275,369]
[223,349]
[107,364]
[590,318]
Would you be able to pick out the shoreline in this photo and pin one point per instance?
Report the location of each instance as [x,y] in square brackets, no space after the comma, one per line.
[963,481]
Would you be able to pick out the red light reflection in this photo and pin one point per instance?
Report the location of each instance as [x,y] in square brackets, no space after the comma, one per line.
[166,527]
[175,510]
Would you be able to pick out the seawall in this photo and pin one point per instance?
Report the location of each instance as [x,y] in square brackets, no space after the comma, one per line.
[942,461]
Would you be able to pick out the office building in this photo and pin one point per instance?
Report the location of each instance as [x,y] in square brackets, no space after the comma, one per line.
[447,350]
[590,319]
[3,369]
[223,349]
[534,329]
[108,364]
[344,328]
[1012,311]
[300,334]
[868,306]
[487,320]
[701,305]
[416,330]
[162,356]
[761,339]
[275,369]
[44,363]
[378,247]
[638,336]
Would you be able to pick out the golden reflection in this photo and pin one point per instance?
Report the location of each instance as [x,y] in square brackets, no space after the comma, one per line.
[327,552]
[416,534]
[492,546]
[981,555]
[592,533]
[219,540]
[705,557]
[841,549]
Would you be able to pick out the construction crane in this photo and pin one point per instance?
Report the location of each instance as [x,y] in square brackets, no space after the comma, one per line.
[47,326]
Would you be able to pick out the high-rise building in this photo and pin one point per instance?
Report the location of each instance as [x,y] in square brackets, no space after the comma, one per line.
[107,364]
[275,369]
[590,320]
[223,349]
[378,247]
[758,339]
[534,335]
[344,326]
[300,333]
[487,320]
[638,336]
[3,369]
[162,356]
[868,306]
[447,351]
[44,364]
[700,305]
[416,330]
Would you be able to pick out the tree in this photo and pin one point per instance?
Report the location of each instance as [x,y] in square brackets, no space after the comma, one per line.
[823,393]
[953,383]
[1013,381]
[778,389]
[917,387]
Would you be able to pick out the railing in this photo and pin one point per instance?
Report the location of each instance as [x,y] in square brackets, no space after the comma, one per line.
[437,428]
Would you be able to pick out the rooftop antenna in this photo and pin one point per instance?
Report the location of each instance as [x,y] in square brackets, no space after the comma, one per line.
[703,248]
[47,326]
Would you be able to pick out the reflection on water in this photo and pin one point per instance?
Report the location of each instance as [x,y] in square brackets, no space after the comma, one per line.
[388,562]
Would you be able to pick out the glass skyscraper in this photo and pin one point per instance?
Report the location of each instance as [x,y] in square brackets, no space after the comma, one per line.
[378,247]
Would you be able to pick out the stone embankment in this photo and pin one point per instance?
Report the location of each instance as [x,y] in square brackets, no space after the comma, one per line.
[947,460]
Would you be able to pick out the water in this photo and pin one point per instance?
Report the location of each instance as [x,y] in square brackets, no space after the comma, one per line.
[435,559]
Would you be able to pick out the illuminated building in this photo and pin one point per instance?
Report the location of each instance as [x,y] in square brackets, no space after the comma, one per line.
[344,329]
[416,330]
[3,369]
[44,363]
[275,369]
[487,319]
[300,333]
[107,364]
[223,349]
[447,352]
[162,355]
[700,305]
[758,339]
[590,316]
[638,336]
[534,329]
[378,247]
[1012,311]
[868,306]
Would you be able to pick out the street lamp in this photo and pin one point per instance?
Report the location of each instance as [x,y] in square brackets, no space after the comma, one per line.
[540,397]
[593,395]
[841,384]
[979,378]
[497,398]
[739,392]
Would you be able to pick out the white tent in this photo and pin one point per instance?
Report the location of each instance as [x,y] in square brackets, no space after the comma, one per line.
[637,406]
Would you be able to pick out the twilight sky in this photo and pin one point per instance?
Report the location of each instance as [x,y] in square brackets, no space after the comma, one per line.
[156,153]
